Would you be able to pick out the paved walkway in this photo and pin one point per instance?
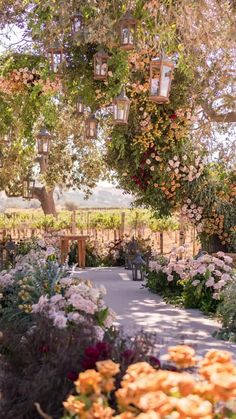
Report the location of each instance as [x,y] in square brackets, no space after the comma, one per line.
[137,309]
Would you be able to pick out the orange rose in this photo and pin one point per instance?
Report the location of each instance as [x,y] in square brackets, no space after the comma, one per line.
[156,401]
[74,405]
[134,371]
[214,356]
[89,382]
[224,385]
[182,356]
[98,411]
[108,368]
[193,407]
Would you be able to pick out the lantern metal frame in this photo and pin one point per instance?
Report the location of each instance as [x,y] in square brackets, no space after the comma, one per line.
[138,264]
[80,108]
[28,188]
[100,65]
[161,75]
[121,107]
[91,126]
[56,50]
[77,23]
[43,141]
[127,31]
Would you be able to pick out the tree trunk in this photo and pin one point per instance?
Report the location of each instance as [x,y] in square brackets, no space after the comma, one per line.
[46,199]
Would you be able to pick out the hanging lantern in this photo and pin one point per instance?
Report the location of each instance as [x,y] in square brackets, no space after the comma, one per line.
[79,106]
[28,188]
[55,54]
[121,106]
[77,23]
[161,73]
[91,125]
[138,268]
[1,159]
[43,141]
[127,26]
[100,65]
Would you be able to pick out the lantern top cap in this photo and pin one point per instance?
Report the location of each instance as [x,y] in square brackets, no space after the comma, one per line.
[162,57]
[102,52]
[43,132]
[139,260]
[127,17]
[122,96]
[92,117]
[56,45]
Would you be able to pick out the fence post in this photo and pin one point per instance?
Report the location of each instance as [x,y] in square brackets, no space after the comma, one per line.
[194,241]
[122,225]
[161,243]
[73,223]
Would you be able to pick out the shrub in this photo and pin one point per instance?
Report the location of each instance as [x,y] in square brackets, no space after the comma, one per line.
[227,313]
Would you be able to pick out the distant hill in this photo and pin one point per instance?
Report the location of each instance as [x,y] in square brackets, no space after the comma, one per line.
[104,195]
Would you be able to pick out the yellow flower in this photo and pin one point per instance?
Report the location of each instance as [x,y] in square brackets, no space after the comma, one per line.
[108,368]
[89,382]
[74,405]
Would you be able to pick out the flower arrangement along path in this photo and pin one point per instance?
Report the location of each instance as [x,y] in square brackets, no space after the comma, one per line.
[137,309]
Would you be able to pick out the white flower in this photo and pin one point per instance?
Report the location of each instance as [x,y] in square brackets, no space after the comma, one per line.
[148,161]
[102,289]
[60,321]
[41,304]
[170,278]
[75,317]
[211,267]
[152,168]
[196,282]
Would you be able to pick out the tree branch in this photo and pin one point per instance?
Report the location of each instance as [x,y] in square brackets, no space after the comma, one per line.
[214,116]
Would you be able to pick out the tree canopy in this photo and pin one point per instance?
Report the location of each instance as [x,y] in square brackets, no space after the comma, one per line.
[162,155]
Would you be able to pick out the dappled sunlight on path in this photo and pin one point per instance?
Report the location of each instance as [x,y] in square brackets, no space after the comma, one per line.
[137,309]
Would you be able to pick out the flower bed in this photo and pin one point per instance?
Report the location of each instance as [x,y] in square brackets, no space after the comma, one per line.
[145,393]
[195,283]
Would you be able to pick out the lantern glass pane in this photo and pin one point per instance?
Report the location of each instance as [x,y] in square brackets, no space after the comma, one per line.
[77,24]
[165,81]
[92,129]
[80,107]
[121,111]
[125,36]
[57,59]
[45,146]
[155,82]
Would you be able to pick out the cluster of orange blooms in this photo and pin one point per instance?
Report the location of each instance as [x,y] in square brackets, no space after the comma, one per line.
[147,393]
[19,79]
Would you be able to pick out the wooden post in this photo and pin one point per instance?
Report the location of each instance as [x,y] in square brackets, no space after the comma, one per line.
[122,225]
[161,243]
[181,235]
[73,223]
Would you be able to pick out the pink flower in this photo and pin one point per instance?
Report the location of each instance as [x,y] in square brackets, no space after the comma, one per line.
[170,278]
[225,277]
[210,282]
[228,259]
